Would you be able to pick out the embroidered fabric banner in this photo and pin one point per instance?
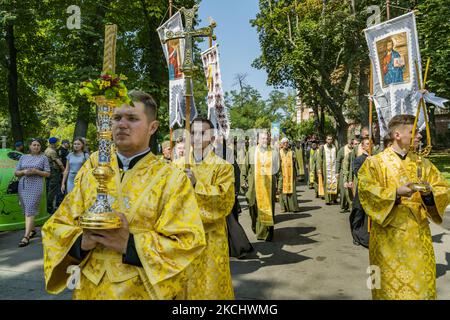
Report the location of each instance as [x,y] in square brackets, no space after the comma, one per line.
[174,53]
[394,51]
[217,111]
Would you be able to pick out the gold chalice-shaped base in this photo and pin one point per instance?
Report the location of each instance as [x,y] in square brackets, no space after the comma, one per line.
[100,215]
[421,187]
[104,220]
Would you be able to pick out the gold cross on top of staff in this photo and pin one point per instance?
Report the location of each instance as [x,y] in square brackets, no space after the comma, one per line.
[188,35]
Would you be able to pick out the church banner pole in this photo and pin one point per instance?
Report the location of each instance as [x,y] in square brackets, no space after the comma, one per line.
[369,222]
[370,107]
[188,95]
[170,127]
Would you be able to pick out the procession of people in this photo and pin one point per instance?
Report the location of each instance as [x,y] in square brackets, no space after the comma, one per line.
[157,216]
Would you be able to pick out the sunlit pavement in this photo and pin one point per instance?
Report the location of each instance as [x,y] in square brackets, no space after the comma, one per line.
[312,257]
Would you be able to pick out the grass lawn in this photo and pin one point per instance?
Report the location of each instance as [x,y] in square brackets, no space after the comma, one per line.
[442,162]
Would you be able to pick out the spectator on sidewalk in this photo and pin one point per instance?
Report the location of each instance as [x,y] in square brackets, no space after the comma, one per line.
[56,170]
[75,161]
[31,169]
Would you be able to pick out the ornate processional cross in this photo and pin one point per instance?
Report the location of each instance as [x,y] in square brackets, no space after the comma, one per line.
[189,34]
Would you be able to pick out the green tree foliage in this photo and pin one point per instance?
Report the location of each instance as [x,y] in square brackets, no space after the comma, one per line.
[318,47]
[249,111]
[315,47]
[309,127]
[23,47]
[433,25]
[52,60]
[246,108]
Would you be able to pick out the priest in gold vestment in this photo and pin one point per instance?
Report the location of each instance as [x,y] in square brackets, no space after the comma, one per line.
[400,242]
[326,168]
[259,178]
[161,233]
[287,184]
[213,181]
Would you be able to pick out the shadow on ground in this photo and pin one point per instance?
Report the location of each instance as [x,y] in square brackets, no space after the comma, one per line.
[245,289]
[437,238]
[279,218]
[13,256]
[273,253]
[441,269]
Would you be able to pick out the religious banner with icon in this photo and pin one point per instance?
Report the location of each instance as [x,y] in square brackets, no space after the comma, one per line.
[174,53]
[217,111]
[394,53]
[275,135]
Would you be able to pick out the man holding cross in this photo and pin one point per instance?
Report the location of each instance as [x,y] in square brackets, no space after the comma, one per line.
[161,232]
[213,181]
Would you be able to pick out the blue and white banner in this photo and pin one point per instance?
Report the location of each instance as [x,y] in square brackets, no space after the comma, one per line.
[394,52]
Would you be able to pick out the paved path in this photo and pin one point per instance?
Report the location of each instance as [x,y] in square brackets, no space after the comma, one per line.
[311,257]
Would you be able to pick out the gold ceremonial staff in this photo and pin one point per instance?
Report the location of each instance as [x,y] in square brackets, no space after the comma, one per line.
[100,215]
[188,67]
[420,186]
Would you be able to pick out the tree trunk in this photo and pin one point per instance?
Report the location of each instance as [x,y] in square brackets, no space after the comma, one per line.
[13,95]
[322,123]
[342,128]
[363,90]
[315,109]
[81,126]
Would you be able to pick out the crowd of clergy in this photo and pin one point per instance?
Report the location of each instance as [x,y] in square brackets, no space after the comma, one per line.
[180,211]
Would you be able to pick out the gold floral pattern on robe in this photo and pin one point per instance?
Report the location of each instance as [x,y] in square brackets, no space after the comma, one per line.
[159,204]
[400,239]
[209,275]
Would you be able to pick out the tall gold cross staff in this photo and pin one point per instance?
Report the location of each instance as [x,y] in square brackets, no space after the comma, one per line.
[422,105]
[420,185]
[188,68]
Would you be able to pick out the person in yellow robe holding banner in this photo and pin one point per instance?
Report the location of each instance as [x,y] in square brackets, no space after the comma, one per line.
[259,177]
[326,169]
[287,184]
[161,232]
[213,181]
[400,244]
